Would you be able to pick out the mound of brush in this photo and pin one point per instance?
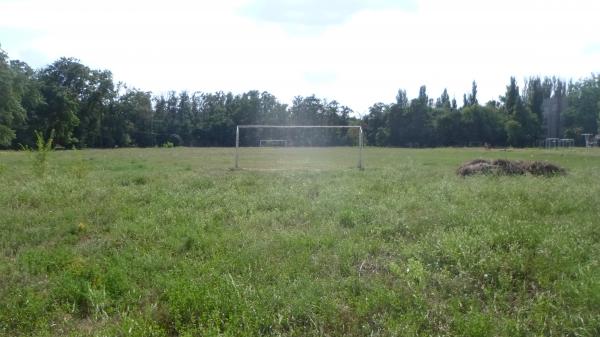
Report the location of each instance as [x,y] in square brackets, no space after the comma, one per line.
[509,167]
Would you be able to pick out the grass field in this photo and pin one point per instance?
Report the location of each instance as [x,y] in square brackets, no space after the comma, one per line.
[172,242]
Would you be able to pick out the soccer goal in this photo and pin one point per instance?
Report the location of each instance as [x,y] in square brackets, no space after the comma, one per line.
[272,142]
[300,136]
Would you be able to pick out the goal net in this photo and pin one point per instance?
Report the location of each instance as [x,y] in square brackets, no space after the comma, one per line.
[272,142]
[298,146]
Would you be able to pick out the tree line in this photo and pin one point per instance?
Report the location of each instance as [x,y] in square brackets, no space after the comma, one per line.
[516,119]
[84,107]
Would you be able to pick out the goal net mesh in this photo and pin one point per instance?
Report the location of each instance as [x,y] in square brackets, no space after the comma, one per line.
[298,147]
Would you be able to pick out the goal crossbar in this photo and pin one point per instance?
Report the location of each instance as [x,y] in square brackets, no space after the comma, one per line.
[301,126]
[360,135]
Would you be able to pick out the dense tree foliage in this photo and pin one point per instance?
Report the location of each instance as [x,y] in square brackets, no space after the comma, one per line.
[583,113]
[85,108]
[13,84]
[515,120]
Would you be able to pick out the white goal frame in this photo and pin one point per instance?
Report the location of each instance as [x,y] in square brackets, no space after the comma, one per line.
[360,136]
[267,141]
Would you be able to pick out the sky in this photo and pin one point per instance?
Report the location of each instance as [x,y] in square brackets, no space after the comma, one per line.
[357,52]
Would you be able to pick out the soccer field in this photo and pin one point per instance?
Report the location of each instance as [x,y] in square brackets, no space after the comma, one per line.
[298,242]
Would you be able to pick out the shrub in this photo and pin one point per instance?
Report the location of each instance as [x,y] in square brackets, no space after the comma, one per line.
[175,139]
[43,148]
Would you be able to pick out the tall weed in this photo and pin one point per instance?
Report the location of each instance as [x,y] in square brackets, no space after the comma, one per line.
[41,152]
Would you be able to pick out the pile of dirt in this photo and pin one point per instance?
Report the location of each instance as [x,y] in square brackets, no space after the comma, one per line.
[509,167]
[540,168]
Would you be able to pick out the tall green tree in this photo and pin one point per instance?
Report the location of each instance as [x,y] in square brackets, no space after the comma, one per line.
[472,100]
[377,125]
[534,96]
[583,107]
[443,101]
[58,112]
[272,111]
[27,88]
[94,103]
[184,117]
[136,107]
[398,119]
[483,124]
[76,100]
[411,124]
[522,126]
[158,123]
[12,113]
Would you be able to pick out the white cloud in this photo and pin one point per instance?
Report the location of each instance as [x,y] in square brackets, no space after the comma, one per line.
[209,45]
[313,15]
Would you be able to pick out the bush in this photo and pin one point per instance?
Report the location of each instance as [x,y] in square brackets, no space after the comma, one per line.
[175,139]
[6,135]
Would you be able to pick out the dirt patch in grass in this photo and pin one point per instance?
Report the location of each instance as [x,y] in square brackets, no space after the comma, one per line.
[509,167]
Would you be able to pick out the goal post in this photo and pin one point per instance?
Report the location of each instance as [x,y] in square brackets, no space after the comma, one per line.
[358,127]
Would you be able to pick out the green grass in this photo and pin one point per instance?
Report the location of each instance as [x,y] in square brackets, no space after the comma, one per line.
[172,242]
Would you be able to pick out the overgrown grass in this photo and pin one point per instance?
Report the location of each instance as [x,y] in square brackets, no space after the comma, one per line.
[171,242]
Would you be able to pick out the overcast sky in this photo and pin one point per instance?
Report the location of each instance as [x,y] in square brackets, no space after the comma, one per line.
[357,52]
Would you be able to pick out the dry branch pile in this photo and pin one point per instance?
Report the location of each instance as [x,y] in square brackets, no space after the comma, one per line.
[509,167]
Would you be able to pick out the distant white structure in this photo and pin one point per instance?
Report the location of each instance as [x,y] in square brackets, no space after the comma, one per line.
[551,143]
[566,142]
[590,140]
[272,142]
